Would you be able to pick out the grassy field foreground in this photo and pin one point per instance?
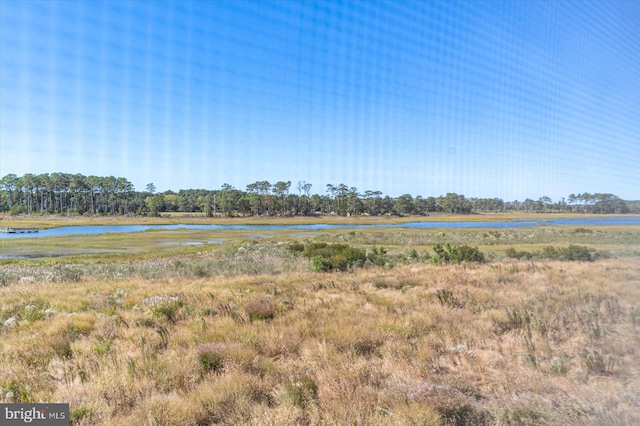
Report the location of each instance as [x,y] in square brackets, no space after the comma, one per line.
[505,342]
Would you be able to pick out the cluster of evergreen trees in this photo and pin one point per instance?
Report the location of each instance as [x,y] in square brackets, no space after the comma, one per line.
[78,194]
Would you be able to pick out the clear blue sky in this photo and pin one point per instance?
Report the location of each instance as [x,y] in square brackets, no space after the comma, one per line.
[512,99]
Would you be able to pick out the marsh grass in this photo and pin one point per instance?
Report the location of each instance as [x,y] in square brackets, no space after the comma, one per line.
[260,310]
[507,342]
[229,260]
[499,239]
[403,244]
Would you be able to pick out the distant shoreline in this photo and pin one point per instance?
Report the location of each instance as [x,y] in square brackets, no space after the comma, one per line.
[54,221]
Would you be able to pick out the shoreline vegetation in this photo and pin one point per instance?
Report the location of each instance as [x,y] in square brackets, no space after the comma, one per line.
[71,194]
[47,221]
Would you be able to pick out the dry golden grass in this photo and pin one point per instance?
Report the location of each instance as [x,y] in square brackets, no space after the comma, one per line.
[498,343]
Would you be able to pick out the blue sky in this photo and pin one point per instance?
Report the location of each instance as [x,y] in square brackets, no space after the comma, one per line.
[512,99]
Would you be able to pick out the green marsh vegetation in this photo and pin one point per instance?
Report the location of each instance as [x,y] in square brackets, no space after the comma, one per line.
[160,243]
[248,330]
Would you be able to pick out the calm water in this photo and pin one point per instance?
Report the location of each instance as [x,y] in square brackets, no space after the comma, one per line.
[104,229]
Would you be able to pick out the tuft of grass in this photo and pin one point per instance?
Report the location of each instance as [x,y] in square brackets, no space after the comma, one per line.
[163,306]
[260,310]
[455,406]
[102,347]
[559,365]
[211,356]
[446,298]
[301,391]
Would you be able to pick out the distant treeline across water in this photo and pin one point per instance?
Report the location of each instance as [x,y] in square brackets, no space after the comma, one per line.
[78,194]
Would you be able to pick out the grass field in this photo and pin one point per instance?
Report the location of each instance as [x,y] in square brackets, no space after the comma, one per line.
[147,329]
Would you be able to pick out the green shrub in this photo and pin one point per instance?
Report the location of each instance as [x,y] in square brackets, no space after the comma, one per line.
[511,252]
[515,254]
[574,252]
[550,252]
[200,271]
[413,255]
[571,253]
[295,248]
[377,256]
[77,414]
[456,254]
[467,253]
[320,264]
[328,257]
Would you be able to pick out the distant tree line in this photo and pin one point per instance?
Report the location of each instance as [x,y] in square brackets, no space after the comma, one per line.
[64,193]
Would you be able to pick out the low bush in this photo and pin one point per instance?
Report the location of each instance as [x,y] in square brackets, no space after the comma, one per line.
[572,253]
[519,254]
[328,257]
[456,254]
[296,248]
[377,256]
[413,255]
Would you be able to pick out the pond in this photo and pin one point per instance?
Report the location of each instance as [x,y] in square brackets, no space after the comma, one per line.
[104,229]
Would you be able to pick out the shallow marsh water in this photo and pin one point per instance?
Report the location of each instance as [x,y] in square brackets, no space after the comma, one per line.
[105,229]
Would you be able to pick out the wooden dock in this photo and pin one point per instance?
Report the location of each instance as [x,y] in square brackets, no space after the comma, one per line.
[19,230]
